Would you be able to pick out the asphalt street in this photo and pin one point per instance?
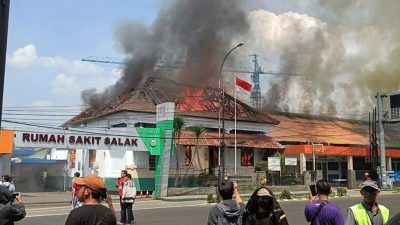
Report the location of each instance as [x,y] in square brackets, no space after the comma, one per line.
[189,212]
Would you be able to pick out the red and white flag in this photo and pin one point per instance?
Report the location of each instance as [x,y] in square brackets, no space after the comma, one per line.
[244,85]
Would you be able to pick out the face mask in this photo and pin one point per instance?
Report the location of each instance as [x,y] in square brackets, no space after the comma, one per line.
[265,203]
[369,195]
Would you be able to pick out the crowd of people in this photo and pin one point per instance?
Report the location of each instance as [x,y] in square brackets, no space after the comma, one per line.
[90,191]
[262,208]
[12,208]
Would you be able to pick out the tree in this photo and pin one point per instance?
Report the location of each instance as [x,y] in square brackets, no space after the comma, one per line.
[179,123]
[197,129]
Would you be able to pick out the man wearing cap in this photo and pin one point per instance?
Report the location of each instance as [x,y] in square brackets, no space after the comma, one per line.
[263,208]
[10,212]
[91,193]
[368,212]
[321,212]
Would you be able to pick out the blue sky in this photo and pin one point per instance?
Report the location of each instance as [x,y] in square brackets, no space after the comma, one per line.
[56,35]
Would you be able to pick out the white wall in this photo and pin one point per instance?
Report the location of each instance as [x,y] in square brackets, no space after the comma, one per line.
[116,161]
[59,154]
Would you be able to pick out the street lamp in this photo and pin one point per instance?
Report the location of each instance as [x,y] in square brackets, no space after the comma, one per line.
[221,149]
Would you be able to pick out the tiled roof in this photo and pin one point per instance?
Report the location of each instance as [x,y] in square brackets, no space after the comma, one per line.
[242,140]
[204,103]
[312,129]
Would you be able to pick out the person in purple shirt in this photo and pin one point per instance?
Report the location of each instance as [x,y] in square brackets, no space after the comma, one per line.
[321,212]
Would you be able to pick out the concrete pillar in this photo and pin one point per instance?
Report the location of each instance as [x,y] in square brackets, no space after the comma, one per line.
[351,174]
[5,164]
[349,162]
[389,163]
[351,179]
[303,163]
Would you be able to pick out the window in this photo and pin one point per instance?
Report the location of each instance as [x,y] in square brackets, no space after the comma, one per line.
[120,125]
[92,158]
[333,177]
[72,157]
[309,165]
[333,166]
[152,162]
[396,164]
[359,163]
[188,155]
[247,157]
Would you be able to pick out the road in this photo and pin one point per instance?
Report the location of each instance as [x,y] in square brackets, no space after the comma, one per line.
[188,213]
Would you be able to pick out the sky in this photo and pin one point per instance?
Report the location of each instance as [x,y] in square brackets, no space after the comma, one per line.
[46,42]
[347,50]
[47,39]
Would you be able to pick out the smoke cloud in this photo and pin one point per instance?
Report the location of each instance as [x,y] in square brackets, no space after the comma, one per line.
[347,53]
[347,50]
[199,33]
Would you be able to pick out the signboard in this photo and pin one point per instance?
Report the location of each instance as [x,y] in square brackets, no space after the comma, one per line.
[318,148]
[394,107]
[274,163]
[114,139]
[165,111]
[290,161]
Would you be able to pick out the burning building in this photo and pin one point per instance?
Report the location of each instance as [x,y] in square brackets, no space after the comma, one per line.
[197,106]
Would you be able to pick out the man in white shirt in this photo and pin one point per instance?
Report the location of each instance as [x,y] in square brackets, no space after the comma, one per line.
[127,200]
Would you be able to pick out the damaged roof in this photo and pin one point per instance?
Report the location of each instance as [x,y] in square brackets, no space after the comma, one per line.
[242,140]
[189,100]
[300,128]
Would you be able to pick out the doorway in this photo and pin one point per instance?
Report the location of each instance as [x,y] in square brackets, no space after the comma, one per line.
[213,160]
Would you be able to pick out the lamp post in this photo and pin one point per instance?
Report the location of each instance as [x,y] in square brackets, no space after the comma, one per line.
[221,149]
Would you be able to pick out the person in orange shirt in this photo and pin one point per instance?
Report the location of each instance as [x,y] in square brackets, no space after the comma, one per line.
[120,185]
[75,202]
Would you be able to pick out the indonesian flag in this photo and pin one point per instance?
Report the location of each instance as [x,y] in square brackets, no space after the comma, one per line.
[242,84]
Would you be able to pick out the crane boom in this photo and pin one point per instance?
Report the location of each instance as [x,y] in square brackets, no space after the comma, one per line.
[106,59]
[111,60]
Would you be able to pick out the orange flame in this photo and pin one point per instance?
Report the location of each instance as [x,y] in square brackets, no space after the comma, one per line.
[192,99]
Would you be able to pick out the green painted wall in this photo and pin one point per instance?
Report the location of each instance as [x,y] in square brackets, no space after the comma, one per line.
[142,184]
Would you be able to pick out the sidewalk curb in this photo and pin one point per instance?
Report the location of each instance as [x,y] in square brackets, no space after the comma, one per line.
[64,199]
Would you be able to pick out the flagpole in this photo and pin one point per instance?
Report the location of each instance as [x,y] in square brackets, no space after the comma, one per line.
[247,87]
[235,128]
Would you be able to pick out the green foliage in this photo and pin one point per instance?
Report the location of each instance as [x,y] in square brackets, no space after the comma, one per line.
[396,189]
[313,175]
[198,129]
[286,194]
[179,122]
[341,191]
[218,199]
[210,198]
[262,165]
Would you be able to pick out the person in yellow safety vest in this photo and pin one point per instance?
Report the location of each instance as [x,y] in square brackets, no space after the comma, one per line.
[368,212]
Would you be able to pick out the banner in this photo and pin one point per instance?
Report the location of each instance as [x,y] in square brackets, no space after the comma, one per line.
[274,163]
[290,161]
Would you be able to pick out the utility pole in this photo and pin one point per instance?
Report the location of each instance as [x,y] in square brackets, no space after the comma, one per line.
[221,152]
[381,139]
[4,12]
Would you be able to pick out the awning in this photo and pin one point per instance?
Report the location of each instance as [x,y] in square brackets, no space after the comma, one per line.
[243,140]
[6,141]
[337,150]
